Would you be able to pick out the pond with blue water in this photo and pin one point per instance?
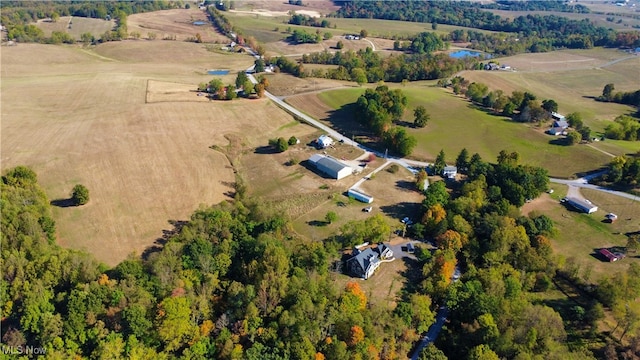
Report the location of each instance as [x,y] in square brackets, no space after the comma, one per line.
[463,53]
[199,23]
[218,72]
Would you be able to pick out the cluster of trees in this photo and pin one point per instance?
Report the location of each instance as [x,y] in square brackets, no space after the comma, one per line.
[243,86]
[281,144]
[234,282]
[629,97]
[534,32]
[306,20]
[522,106]
[624,171]
[426,43]
[378,109]
[394,68]
[623,127]
[506,256]
[299,36]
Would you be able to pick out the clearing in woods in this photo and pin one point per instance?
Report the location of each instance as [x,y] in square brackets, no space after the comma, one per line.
[79,116]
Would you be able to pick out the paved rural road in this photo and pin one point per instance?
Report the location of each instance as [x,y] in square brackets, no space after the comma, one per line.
[433,332]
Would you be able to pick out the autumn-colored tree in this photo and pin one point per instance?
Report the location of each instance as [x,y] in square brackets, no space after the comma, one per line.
[433,217]
[420,180]
[356,335]
[319,356]
[354,292]
[450,240]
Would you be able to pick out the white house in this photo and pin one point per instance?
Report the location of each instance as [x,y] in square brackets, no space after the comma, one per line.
[330,166]
[450,172]
[324,141]
[363,263]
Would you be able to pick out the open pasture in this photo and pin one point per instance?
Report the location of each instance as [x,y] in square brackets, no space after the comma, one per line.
[76,26]
[79,116]
[455,123]
[573,79]
[286,85]
[579,234]
[176,23]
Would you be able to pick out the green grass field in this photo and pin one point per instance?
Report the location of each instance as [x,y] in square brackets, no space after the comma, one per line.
[455,124]
[263,27]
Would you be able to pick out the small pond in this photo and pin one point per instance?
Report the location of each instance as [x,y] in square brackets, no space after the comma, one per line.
[199,23]
[218,72]
[462,53]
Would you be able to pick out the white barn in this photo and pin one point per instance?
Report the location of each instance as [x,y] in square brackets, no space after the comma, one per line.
[582,205]
[360,196]
[330,166]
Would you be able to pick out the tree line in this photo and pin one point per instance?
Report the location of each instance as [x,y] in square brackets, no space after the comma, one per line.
[306,20]
[621,97]
[520,106]
[365,66]
[539,32]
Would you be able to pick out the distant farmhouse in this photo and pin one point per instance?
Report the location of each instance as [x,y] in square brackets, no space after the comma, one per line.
[360,196]
[582,205]
[450,172]
[330,166]
[352,37]
[559,126]
[324,141]
[363,263]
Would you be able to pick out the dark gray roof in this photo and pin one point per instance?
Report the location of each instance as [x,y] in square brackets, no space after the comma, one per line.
[561,124]
[331,164]
[364,258]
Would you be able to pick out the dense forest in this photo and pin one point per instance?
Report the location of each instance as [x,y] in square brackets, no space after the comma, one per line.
[25,12]
[541,33]
[553,5]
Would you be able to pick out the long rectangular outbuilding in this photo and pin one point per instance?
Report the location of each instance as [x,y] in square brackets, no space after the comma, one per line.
[330,166]
[582,205]
[360,196]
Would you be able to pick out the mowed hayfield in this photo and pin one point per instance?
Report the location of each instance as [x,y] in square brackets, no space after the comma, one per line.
[76,26]
[176,23]
[455,124]
[79,115]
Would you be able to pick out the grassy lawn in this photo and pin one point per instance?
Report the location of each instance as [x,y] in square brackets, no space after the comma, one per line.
[478,131]
[579,234]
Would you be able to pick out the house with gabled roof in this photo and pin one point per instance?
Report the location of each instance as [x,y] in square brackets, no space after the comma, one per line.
[384,252]
[363,263]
